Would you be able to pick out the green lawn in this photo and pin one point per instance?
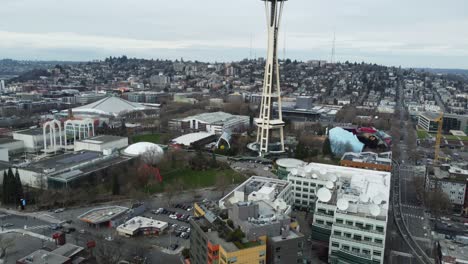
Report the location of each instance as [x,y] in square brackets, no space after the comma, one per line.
[422,134]
[153,138]
[192,179]
[452,137]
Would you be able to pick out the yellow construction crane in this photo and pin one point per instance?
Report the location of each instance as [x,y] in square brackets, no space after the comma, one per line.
[440,121]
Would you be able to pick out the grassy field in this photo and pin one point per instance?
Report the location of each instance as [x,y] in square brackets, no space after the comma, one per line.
[452,137]
[191,179]
[422,134]
[153,138]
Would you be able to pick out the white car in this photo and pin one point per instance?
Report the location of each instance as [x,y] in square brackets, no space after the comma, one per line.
[59,210]
[173,216]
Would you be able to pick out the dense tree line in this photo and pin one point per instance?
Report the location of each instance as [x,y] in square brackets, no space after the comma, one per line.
[12,190]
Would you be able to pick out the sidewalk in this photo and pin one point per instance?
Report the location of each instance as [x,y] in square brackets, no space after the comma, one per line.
[39,215]
[29,233]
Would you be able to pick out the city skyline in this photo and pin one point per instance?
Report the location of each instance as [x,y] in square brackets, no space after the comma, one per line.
[375,32]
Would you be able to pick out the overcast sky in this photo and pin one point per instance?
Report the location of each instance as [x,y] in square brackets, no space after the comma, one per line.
[410,33]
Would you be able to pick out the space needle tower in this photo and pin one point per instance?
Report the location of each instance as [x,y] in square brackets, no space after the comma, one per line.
[270,134]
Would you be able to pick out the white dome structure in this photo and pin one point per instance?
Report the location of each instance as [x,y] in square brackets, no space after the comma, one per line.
[141,148]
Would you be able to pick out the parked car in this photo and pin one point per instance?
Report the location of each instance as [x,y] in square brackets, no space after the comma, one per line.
[173,216]
[59,210]
[185,235]
[54,227]
[177,233]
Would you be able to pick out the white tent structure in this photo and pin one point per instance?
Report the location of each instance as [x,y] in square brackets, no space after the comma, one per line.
[109,106]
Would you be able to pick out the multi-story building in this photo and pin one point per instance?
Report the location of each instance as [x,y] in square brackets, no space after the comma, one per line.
[257,228]
[451,180]
[455,122]
[350,209]
[427,121]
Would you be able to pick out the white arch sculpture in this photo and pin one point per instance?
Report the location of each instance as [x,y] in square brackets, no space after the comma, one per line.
[85,129]
[52,125]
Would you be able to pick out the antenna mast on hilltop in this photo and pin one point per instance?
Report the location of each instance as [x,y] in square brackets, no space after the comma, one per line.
[250,53]
[332,59]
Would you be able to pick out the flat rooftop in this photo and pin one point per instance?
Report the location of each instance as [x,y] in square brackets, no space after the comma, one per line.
[450,249]
[32,131]
[63,161]
[68,250]
[369,157]
[138,222]
[102,215]
[8,140]
[214,230]
[292,234]
[102,139]
[42,256]
[213,118]
[430,115]
[255,184]
[362,189]
[83,161]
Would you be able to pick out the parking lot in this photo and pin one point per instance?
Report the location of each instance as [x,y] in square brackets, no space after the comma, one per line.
[176,226]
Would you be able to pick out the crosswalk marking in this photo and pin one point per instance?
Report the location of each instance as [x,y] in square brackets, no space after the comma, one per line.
[412,206]
[412,215]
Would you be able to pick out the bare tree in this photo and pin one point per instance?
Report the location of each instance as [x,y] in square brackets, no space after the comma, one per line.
[438,202]
[109,252]
[152,156]
[419,185]
[170,191]
[222,183]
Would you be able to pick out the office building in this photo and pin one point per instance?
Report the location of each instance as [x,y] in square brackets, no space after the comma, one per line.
[257,228]
[350,209]
[451,180]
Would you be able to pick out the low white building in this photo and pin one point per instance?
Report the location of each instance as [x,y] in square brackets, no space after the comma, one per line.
[33,139]
[101,143]
[350,209]
[141,226]
[216,123]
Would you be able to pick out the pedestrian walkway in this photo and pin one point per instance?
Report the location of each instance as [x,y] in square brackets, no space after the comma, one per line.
[26,232]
